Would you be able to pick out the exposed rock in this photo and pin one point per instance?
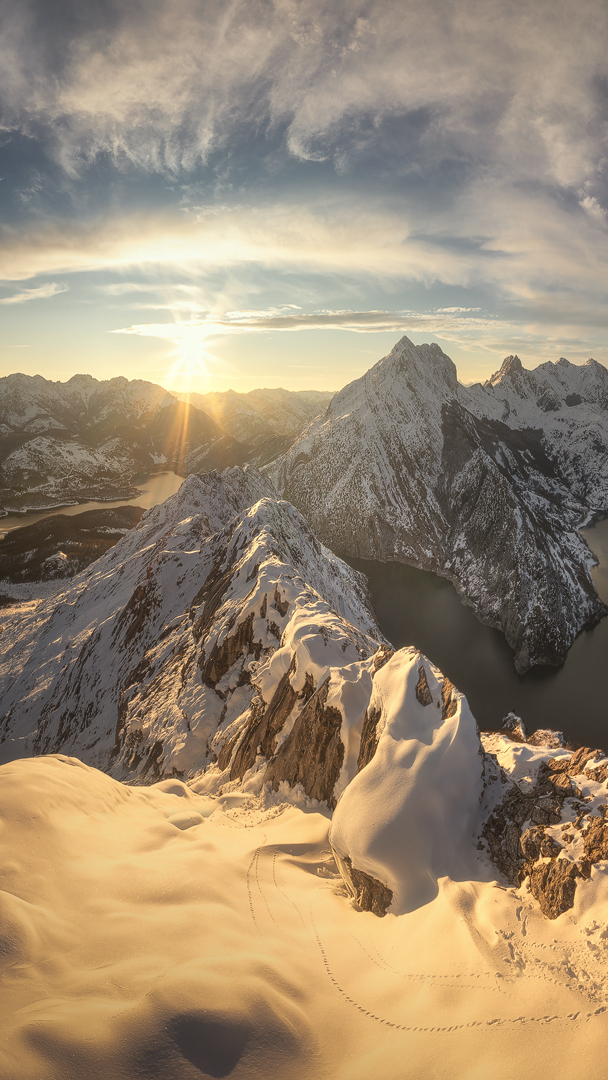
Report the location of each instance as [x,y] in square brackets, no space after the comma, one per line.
[596,840]
[369,736]
[546,737]
[261,733]
[573,765]
[536,843]
[502,831]
[449,699]
[369,893]
[382,657]
[224,656]
[515,727]
[422,689]
[553,884]
[313,753]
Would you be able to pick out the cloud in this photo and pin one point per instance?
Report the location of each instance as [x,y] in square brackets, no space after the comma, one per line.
[494,84]
[375,143]
[43,292]
[360,322]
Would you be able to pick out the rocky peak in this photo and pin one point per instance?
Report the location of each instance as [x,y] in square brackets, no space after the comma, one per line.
[510,367]
[426,362]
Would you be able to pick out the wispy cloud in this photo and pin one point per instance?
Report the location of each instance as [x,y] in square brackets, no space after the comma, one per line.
[43,292]
[360,322]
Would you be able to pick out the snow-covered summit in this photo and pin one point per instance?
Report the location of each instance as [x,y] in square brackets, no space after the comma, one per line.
[484,485]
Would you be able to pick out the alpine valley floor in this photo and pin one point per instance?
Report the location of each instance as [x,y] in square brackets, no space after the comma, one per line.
[154,932]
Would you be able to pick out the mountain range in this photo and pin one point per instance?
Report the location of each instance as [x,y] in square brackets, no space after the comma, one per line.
[86,439]
[485,485]
[218,643]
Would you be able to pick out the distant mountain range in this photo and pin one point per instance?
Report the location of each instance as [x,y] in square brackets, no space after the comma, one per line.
[85,439]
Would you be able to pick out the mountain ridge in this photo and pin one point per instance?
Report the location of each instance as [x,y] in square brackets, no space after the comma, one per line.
[474,483]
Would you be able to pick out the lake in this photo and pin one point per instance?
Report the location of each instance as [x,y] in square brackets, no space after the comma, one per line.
[415,607]
[154,489]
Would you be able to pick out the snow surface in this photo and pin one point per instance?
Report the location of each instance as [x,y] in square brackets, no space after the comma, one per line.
[151,932]
[391,820]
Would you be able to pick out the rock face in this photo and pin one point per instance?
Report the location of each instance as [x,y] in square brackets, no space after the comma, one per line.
[484,485]
[546,824]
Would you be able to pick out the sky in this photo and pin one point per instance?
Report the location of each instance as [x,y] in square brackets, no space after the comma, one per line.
[244,193]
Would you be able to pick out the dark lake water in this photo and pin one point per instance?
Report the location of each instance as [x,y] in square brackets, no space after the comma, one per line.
[415,607]
[154,489]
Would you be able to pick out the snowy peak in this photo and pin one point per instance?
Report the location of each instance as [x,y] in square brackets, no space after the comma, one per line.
[511,365]
[417,365]
[485,485]
[160,653]
[551,386]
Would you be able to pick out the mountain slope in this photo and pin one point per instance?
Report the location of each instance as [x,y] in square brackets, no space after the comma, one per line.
[220,643]
[408,465]
[147,663]
[87,439]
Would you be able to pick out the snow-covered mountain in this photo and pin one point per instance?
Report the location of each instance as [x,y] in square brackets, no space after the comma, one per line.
[259,414]
[205,630]
[485,485]
[317,868]
[219,643]
[86,439]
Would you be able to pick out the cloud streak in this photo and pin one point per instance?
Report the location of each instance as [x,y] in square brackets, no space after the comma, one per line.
[43,292]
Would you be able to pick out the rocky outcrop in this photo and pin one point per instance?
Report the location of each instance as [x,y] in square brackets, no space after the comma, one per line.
[313,753]
[553,884]
[368,893]
[549,828]
[477,484]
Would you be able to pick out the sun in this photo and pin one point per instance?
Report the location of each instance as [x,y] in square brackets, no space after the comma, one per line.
[190,370]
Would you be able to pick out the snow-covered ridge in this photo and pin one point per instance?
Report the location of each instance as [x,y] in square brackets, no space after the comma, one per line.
[485,485]
[149,659]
